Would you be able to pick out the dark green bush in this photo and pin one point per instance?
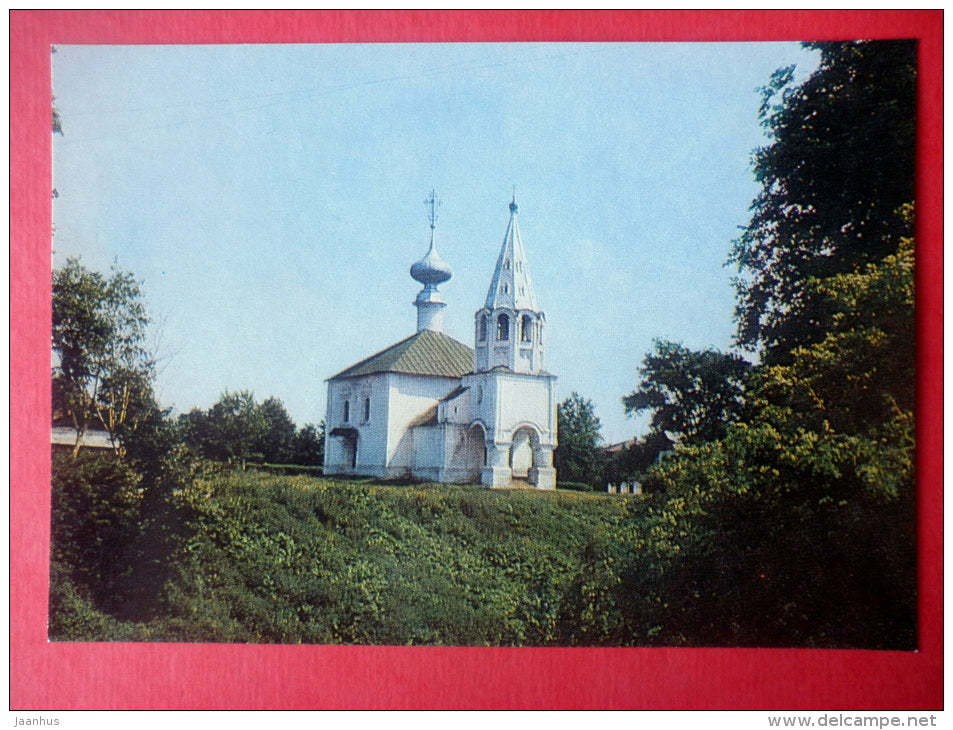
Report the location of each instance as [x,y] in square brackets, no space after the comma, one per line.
[577,486]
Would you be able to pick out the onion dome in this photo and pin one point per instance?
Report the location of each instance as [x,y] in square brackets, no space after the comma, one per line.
[431,269]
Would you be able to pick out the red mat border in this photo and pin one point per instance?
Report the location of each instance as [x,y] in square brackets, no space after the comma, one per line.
[46,676]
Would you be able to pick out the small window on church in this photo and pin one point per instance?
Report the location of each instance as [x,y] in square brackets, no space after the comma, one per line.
[347,411]
[526,329]
[482,333]
[367,409]
[503,327]
[506,264]
[479,394]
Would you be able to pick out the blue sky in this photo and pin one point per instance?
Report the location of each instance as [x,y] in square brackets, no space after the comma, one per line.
[271,198]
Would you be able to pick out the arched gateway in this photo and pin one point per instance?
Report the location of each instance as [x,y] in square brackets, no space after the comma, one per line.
[475,454]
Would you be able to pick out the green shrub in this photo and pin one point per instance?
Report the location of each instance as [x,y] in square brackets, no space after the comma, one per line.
[576,486]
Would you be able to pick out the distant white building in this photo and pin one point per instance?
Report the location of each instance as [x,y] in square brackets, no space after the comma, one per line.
[432,408]
[624,488]
[68,437]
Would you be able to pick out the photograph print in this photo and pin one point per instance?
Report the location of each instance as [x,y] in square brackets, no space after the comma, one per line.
[485,344]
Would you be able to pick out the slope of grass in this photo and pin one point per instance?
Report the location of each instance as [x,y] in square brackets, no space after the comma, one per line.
[252,557]
[298,559]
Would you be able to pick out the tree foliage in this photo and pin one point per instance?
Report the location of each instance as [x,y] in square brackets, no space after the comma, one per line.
[103,370]
[862,374]
[795,524]
[578,456]
[692,395]
[776,536]
[94,498]
[788,517]
[798,526]
[308,445]
[115,525]
[238,429]
[839,166]
[279,438]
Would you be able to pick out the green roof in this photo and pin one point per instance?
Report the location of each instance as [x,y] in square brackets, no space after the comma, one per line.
[423,353]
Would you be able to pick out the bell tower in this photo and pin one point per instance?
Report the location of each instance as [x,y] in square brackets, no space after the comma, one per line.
[514,398]
[509,326]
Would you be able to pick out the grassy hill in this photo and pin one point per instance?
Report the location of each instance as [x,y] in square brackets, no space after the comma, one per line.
[263,558]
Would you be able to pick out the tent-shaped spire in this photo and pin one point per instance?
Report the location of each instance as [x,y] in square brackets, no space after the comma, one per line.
[512,286]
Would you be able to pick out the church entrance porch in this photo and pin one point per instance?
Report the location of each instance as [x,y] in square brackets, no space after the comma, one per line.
[522,463]
[522,452]
[348,452]
[475,453]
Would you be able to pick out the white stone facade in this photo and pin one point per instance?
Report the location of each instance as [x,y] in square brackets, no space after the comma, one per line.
[380,410]
[517,413]
[431,408]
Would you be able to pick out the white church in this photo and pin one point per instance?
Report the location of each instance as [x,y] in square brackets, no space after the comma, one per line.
[430,407]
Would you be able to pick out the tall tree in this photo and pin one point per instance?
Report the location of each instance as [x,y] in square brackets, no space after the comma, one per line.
[692,395]
[279,435]
[859,382]
[102,377]
[239,429]
[115,521]
[840,164]
[578,457]
[308,447]
[798,526]
[235,428]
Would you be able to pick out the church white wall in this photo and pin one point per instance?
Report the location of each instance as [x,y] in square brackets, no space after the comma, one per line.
[527,400]
[428,452]
[456,409]
[409,397]
[368,406]
[465,452]
[387,447]
[511,403]
[510,400]
[482,406]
